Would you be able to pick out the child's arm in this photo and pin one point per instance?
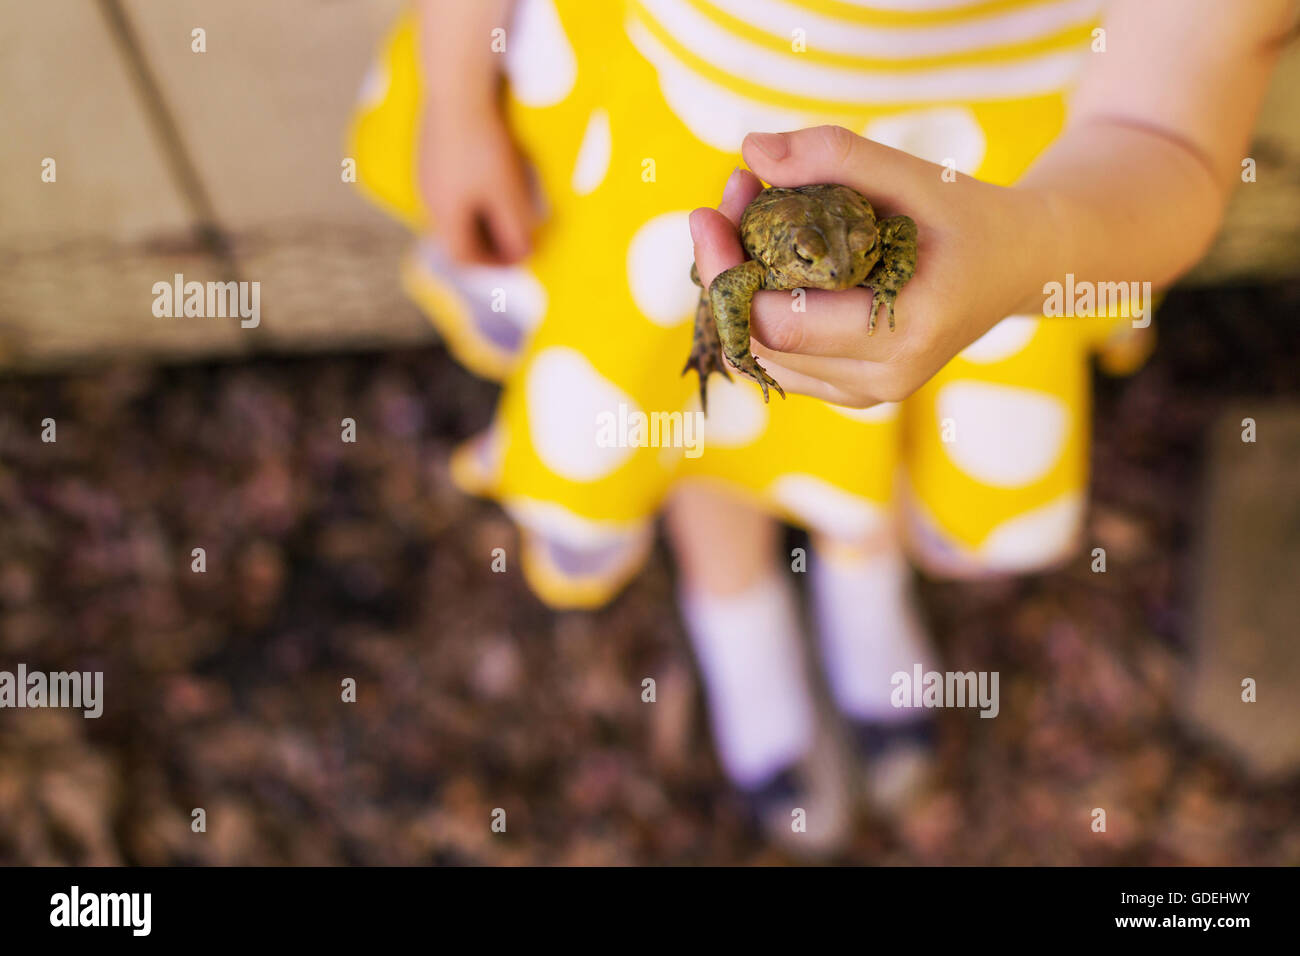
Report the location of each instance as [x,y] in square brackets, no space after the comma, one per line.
[1158,129]
[1132,191]
[471,175]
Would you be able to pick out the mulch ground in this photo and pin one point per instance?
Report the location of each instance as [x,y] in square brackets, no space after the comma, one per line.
[327,561]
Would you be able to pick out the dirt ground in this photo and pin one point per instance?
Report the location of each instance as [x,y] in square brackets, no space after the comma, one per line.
[327,561]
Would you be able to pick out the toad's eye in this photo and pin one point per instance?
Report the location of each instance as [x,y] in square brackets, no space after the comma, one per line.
[809,246]
[861,240]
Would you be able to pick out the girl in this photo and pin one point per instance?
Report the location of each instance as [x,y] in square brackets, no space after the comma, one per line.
[1031,140]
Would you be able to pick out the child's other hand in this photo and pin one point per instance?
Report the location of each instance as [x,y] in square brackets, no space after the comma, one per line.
[473,181]
[979,256]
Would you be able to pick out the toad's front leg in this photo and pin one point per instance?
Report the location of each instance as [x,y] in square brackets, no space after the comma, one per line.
[897,264]
[731,293]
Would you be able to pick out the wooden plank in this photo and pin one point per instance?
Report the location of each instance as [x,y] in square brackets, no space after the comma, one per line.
[320,290]
[83,302]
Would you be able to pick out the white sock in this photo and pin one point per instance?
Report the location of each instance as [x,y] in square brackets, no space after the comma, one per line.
[869,629]
[750,655]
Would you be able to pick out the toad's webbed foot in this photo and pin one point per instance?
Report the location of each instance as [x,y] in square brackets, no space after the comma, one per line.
[706,349]
[897,265]
[747,364]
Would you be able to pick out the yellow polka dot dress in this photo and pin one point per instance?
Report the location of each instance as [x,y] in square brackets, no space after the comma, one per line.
[632,113]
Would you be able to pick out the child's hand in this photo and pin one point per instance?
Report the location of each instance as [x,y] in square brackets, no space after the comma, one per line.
[980,255]
[473,182]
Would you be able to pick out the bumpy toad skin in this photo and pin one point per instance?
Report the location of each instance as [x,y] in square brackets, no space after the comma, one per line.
[811,237]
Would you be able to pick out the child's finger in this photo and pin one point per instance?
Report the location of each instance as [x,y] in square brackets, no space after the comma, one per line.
[511,236]
[717,245]
[714,232]
[741,188]
[833,154]
[842,373]
[800,383]
[831,324]
[460,230]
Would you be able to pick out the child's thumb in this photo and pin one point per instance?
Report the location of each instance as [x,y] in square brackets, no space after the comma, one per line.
[717,246]
[833,154]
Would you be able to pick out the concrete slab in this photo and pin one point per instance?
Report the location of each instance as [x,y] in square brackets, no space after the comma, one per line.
[1249,603]
[265,109]
[65,94]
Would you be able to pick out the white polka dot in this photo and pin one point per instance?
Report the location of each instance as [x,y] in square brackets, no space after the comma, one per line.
[1036,537]
[737,415]
[945,133]
[1004,436]
[539,59]
[827,509]
[884,412]
[593,155]
[659,261]
[566,399]
[1003,340]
